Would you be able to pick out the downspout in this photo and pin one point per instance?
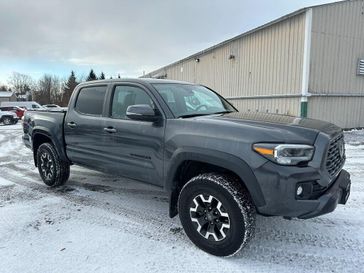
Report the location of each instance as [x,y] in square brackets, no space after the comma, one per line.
[306,63]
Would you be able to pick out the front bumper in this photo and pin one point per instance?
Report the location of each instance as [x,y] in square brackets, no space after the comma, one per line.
[338,193]
[280,193]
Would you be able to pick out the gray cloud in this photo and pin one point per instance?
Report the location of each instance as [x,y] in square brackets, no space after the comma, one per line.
[127,36]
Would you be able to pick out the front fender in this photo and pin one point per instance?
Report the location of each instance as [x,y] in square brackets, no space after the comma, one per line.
[221,159]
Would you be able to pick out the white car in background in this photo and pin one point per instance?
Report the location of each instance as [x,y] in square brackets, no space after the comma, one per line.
[8,118]
[29,105]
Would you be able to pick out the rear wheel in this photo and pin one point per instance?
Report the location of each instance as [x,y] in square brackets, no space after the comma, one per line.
[7,121]
[217,213]
[53,171]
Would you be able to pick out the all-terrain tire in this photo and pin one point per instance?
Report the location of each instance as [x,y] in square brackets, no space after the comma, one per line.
[53,171]
[223,202]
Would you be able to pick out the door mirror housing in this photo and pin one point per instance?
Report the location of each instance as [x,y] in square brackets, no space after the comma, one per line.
[142,112]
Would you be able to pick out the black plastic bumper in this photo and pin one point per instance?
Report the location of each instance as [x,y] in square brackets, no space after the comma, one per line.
[338,193]
[278,184]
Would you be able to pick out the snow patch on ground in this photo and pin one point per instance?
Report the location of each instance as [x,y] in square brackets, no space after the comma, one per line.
[101,223]
[4,182]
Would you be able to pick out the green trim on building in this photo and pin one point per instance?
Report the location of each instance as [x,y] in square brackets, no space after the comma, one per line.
[304,109]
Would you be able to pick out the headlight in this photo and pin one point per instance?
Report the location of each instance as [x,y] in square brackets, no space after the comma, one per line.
[285,154]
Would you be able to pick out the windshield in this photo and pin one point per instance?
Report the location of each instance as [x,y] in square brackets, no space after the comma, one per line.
[186,100]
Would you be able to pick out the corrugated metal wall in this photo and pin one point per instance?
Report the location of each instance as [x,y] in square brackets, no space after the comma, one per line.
[337,44]
[346,112]
[286,106]
[266,62]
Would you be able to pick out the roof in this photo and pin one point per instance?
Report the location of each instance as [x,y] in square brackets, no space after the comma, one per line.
[6,94]
[132,80]
[280,19]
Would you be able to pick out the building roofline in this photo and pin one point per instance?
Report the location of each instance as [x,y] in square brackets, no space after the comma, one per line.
[6,94]
[270,23]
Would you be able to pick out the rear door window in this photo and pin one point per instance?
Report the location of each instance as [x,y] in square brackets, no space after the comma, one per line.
[90,100]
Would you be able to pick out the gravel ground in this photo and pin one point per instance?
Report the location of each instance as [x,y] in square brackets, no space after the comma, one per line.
[102,223]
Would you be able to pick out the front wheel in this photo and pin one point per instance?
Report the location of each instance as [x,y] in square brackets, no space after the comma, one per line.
[217,213]
[53,171]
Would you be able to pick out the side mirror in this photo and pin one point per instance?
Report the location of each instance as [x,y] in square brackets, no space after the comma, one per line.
[142,112]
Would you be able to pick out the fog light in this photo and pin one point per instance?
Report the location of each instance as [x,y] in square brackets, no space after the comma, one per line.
[299,190]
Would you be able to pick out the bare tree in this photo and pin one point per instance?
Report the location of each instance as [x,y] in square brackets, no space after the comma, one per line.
[21,83]
[56,90]
[49,90]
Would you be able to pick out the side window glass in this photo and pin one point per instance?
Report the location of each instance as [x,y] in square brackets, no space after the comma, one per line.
[124,96]
[90,100]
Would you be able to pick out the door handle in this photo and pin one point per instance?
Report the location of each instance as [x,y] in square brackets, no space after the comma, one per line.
[72,124]
[110,130]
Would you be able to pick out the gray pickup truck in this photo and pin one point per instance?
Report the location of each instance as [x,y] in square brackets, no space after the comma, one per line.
[220,167]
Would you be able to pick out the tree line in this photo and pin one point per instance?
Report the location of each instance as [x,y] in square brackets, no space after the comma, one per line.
[49,88]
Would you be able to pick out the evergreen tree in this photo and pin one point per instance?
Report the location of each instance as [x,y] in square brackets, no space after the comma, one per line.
[68,88]
[102,76]
[91,76]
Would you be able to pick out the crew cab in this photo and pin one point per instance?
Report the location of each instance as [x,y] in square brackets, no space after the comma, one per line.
[220,167]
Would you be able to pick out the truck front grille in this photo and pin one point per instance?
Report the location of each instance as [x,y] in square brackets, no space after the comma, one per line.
[335,155]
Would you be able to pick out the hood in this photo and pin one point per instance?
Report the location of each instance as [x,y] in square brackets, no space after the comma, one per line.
[280,121]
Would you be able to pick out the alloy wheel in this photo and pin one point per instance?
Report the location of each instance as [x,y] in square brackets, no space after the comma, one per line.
[47,166]
[210,217]
[7,121]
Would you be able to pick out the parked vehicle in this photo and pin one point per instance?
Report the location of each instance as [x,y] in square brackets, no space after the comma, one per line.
[17,110]
[8,118]
[51,106]
[29,105]
[219,166]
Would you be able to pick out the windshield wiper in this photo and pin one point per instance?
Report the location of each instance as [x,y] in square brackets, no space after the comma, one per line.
[205,114]
[223,112]
[192,115]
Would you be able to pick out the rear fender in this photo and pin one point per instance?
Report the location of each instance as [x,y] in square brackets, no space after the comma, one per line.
[57,142]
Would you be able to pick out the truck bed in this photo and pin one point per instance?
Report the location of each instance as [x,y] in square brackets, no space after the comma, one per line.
[49,121]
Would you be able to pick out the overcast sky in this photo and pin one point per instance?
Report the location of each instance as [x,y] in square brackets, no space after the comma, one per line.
[116,36]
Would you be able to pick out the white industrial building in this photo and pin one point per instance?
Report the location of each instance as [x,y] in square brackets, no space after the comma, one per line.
[308,63]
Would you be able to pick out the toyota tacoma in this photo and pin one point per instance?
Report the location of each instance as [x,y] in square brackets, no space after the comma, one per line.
[220,167]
